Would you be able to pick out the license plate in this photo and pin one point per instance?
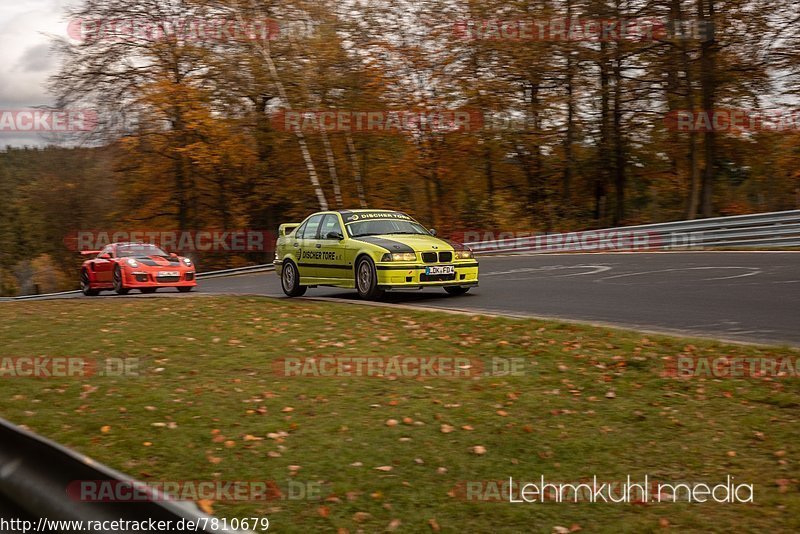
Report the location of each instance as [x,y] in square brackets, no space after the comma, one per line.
[440,269]
[168,273]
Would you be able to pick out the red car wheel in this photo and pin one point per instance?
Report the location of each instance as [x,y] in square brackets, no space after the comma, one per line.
[86,286]
[119,286]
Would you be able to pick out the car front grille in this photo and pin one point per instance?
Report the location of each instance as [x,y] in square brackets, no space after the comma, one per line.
[167,279]
[431,257]
[436,277]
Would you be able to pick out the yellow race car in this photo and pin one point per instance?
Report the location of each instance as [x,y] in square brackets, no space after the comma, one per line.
[372,251]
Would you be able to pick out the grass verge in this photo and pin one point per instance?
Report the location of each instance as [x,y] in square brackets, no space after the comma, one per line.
[207,405]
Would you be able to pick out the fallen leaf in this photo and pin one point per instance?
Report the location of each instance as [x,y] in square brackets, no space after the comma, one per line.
[384,468]
[105,429]
[434,525]
[446,429]
[394,524]
[206,506]
[360,517]
[479,450]
[391,422]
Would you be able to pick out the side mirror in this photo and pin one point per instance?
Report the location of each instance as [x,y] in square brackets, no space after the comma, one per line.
[334,235]
[433,232]
[173,255]
[105,256]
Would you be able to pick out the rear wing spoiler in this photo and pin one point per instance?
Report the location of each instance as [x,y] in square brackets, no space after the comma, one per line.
[90,252]
[286,229]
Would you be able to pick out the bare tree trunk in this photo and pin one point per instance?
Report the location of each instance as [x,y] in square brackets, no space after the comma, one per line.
[708,83]
[489,170]
[601,178]
[351,149]
[264,50]
[326,142]
[619,138]
[570,134]
[694,174]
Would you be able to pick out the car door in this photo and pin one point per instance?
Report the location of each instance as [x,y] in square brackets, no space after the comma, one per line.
[332,264]
[309,247]
[104,267]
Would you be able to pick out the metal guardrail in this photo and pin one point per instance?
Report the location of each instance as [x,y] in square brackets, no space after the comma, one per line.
[35,474]
[237,271]
[766,230]
[200,276]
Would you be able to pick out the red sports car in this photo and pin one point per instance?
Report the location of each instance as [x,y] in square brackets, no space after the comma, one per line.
[126,266]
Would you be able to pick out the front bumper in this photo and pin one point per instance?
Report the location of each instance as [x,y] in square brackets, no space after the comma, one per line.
[412,276]
[138,279]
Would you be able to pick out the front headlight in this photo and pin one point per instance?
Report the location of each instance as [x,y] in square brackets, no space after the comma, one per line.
[399,256]
[133,263]
[187,261]
[464,255]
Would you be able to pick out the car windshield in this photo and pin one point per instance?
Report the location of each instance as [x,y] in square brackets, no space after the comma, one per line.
[385,227]
[127,251]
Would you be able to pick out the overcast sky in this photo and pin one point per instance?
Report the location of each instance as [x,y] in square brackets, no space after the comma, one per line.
[26,60]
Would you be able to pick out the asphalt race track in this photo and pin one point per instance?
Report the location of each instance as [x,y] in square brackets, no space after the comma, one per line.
[740,296]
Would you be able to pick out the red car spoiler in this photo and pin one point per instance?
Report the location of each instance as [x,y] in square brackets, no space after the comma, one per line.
[89,252]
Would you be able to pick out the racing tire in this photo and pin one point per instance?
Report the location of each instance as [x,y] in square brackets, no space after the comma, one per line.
[148,290]
[367,279]
[290,281]
[457,290]
[184,289]
[119,286]
[86,287]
